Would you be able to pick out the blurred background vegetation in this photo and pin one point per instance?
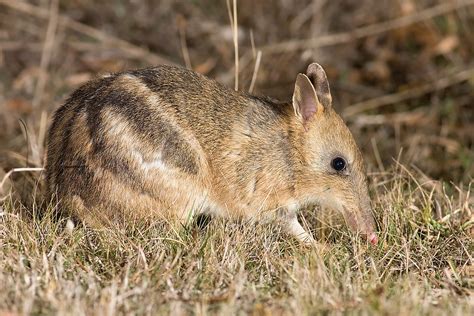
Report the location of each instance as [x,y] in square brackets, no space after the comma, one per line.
[401,71]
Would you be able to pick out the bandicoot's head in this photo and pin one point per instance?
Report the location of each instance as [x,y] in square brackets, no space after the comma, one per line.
[333,172]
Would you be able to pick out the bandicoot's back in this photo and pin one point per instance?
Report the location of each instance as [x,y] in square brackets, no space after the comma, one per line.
[168,142]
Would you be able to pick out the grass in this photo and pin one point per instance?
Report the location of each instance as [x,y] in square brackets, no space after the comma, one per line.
[422,265]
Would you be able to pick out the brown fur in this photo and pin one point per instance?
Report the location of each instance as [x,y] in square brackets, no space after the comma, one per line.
[168,142]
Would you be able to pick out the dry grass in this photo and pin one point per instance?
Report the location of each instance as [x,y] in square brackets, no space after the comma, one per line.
[422,265]
[401,74]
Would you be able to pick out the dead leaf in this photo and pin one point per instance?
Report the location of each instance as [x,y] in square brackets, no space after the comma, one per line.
[19,105]
[447,45]
[78,79]
[206,67]
[407,7]
[378,70]
[25,81]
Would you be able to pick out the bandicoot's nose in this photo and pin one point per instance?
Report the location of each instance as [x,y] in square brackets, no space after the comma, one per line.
[373,239]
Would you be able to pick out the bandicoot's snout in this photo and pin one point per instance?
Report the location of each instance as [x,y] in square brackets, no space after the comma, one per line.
[362,222]
[357,210]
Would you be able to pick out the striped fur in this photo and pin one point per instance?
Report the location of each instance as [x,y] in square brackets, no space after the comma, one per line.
[166,142]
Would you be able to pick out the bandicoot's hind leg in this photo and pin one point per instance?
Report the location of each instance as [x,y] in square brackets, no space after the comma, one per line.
[119,212]
[74,206]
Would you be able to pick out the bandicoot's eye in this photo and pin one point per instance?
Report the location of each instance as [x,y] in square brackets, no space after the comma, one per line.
[338,164]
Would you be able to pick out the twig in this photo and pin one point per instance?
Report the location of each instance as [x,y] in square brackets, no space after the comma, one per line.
[17,45]
[407,118]
[252,44]
[366,31]
[9,173]
[184,45]
[236,46]
[255,71]
[131,49]
[47,52]
[440,84]
[235,34]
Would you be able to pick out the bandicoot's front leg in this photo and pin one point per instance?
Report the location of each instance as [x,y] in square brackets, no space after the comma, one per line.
[294,227]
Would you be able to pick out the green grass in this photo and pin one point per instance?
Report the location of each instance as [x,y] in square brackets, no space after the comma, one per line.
[422,264]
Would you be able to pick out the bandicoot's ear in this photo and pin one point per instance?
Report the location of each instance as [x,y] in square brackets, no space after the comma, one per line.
[305,100]
[318,78]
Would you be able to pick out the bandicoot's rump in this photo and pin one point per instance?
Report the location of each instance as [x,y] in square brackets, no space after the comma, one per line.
[168,142]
